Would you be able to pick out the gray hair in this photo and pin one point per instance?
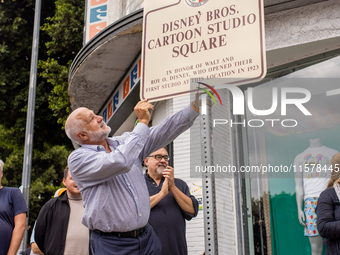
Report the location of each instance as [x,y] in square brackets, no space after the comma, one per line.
[73,126]
[1,165]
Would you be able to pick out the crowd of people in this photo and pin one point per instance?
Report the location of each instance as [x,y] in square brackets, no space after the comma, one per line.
[110,206]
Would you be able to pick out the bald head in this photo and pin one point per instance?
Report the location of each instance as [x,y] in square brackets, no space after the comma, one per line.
[85,127]
[75,124]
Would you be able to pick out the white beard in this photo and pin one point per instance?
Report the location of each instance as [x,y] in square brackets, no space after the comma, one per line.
[160,169]
[100,135]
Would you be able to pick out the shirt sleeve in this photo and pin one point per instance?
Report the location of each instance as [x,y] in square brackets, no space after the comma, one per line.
[19,203]
[41,225]
[165,132]
[33,233]
[90,167]
[326,224]
[186,191]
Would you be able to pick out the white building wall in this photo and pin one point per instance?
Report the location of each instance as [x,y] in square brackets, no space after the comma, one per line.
[302,25]
[120,8]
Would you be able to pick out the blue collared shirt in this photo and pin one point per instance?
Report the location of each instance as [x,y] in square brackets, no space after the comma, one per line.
[112,184]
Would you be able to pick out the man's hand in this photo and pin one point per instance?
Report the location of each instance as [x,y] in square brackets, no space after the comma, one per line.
[168,173]
[160,195]
[182,199]
[142,111]
[196,103]
[165,188]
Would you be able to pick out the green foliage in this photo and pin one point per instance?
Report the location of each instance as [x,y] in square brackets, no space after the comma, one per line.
[47,176]
[65,30]
[60,39]
[57,75]
[14,59]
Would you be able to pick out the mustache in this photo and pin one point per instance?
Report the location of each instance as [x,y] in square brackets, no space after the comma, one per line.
[102,124]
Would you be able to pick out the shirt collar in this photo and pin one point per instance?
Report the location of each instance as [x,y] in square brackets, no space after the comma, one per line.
[112,142]
[148,177]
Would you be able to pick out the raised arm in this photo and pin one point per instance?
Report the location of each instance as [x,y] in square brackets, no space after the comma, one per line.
[91,166]
[168,130]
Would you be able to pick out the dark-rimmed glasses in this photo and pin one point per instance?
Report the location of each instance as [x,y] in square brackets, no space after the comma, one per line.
[159,157]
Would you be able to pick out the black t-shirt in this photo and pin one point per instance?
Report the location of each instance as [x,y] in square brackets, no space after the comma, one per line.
[168,219]
[12,203]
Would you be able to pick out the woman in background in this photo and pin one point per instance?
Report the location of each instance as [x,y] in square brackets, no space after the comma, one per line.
[328,210]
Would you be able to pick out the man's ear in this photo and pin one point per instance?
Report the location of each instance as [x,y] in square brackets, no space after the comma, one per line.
[146,161]
[64,182]
[82,135]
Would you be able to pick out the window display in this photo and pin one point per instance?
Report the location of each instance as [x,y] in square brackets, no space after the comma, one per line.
[296,157]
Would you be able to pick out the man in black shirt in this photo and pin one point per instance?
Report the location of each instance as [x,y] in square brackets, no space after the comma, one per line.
[171,203]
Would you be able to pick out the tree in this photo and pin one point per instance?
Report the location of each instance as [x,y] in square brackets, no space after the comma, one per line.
[60,39]
[65,29]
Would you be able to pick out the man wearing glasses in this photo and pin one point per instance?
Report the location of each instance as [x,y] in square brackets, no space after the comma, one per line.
[170,201]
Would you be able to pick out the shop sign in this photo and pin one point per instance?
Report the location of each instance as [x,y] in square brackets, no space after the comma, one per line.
[122,91]
[96,17]
[200,41]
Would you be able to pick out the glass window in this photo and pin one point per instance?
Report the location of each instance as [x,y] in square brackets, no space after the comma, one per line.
[293,127]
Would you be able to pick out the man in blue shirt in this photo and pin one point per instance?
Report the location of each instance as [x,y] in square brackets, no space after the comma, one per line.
[109,176]
[13,211]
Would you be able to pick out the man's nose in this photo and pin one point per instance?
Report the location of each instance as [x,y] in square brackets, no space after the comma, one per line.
[99,118]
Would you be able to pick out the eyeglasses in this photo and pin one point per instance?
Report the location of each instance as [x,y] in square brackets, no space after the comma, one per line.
[159,157]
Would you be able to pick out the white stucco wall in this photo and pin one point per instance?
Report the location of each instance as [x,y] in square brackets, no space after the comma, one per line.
[302,25]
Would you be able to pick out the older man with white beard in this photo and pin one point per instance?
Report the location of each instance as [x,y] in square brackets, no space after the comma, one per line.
[170,201]
[109,176]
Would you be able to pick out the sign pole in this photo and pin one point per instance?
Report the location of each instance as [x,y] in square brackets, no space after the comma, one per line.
[208,181]
[26,171]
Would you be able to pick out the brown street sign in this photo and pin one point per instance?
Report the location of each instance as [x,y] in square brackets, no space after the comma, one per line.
[208,41]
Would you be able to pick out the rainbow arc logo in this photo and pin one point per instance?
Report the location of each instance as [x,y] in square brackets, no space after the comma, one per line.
[209,93]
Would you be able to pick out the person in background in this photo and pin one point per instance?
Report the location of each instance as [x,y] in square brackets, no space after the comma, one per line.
[171,203]
[58,227]
[34,247]
[13,212]
[328,210]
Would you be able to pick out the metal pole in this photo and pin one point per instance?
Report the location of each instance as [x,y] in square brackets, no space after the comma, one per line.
[208,181]
[26,171]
